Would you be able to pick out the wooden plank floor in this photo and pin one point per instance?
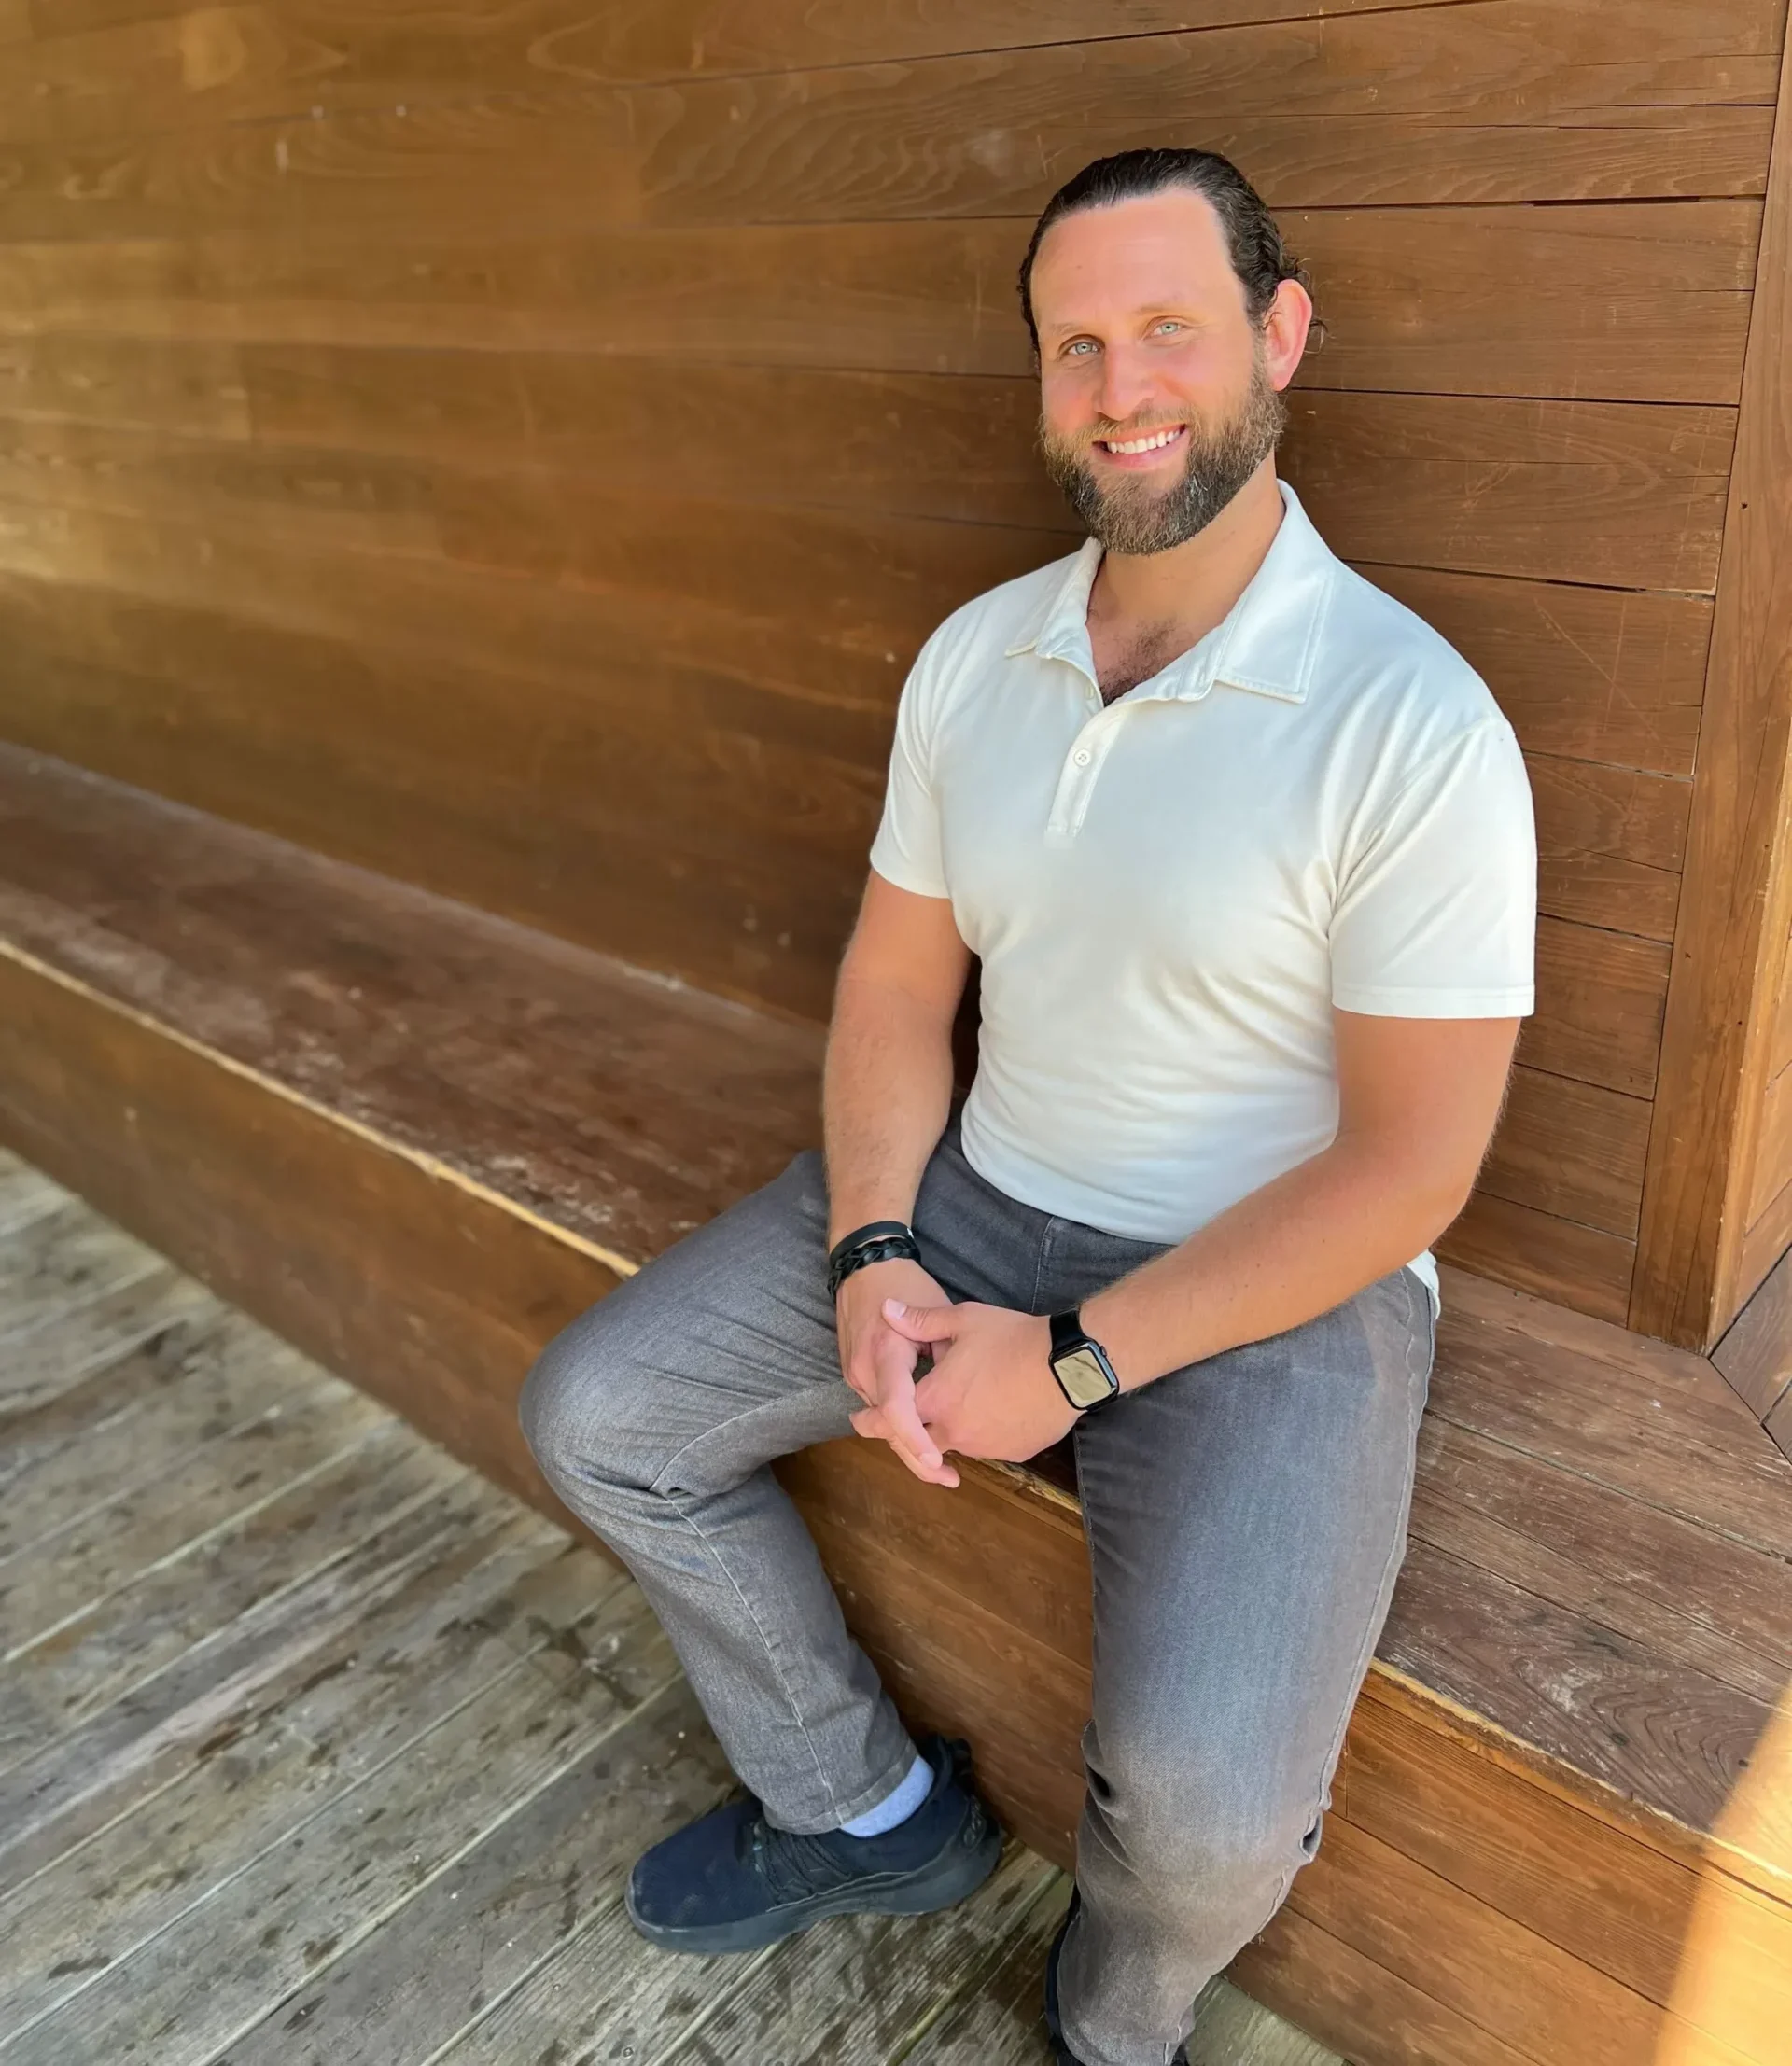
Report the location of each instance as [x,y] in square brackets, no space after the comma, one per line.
[316,1747]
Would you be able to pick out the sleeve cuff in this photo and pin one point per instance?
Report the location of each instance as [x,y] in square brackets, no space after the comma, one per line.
[1518,1001]
[895,870]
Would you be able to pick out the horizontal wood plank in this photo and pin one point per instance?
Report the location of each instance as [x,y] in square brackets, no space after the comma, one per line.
[1351,2001]
[1541,1252]
[1622,495]
[1595,1892]
[1584,673]
[1610,842]
[1600,1000]
[1639,301]
[1570,1149]
[1685,1591]
[1552,1406]
[1002,132]
[1590,1699]
[1512,1317]
[1628,101]
[1548,2006]
[539,43]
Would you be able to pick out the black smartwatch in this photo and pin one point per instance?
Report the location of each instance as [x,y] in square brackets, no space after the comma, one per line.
[1081,1365]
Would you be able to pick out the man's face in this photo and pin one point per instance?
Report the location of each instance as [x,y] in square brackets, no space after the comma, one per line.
[1159,397]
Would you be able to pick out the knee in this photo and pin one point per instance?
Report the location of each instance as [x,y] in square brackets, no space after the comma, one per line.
[569,1403]
[1204,1829]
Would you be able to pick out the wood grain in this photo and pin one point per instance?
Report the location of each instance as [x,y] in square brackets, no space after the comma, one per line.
[77,1347]
[1729,944]
[449,1351]
[1756,1351]
[1481,1308]
[1600,999]
[1002,132]
[1584,674]
[1600,1894]
[1629,101]
[1609,844]
[1683,1590]
[1351,2001]
[1536,1251]
[546,41]
[1641,302]
[81,1455]
[92,858]
[1572,1150]
[306,1896]
[451,1628]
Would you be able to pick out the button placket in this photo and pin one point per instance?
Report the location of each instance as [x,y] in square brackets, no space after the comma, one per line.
[1079,774]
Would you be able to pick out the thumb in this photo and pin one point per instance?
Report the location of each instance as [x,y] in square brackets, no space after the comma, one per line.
[921,1323]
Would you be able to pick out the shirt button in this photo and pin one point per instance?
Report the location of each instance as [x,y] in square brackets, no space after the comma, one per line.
[1082,757]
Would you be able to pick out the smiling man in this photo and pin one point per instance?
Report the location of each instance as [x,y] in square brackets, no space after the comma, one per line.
[1246,852]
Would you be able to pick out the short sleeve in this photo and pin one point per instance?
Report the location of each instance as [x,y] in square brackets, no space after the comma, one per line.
[1436,916]
[907,849]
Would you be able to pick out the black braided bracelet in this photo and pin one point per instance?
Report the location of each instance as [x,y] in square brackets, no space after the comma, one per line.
[879,1241]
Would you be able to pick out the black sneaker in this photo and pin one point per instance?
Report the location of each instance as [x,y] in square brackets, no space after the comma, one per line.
[733,1882]
[1061,2053]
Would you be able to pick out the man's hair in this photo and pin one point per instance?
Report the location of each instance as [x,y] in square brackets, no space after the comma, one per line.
[1259,257]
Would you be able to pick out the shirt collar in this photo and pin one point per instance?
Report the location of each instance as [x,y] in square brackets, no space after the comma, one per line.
[1267,641]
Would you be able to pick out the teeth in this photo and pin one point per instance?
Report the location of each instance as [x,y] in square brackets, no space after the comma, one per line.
[1157,438]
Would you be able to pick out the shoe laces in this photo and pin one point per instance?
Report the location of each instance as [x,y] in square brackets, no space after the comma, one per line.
[790,1865]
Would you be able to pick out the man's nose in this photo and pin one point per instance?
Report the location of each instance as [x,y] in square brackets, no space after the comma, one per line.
[1125,386]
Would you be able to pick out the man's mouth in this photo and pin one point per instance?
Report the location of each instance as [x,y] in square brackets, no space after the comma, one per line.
[1146,445]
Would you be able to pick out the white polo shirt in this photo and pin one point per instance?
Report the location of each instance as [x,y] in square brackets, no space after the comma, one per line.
[1318,804]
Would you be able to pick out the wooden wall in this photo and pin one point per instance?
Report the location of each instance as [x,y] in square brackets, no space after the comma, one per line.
[520,447]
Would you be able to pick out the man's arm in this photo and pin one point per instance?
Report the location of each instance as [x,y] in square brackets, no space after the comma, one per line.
[887,1083]
[1418,1101]
[887,1089]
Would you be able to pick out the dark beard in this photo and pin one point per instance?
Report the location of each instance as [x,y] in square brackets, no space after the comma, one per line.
[1132,518]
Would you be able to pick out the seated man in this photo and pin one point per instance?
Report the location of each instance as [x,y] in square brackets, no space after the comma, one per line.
[1246,852]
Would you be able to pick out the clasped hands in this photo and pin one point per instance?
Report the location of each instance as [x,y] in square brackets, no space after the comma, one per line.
[990,1393]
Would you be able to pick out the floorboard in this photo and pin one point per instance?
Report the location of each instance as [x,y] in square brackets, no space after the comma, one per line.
[316,1747]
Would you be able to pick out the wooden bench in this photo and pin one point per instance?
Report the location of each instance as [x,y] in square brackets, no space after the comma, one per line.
[416,1140]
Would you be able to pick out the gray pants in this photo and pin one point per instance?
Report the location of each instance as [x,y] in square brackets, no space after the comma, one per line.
[1245,1515]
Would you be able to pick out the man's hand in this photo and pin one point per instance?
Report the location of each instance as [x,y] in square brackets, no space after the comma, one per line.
[991,1391]
[878,1363]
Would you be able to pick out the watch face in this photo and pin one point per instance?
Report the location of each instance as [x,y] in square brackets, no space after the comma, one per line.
[1084,1381]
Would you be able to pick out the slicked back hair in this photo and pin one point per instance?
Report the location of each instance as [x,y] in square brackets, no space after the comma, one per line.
[1259,257]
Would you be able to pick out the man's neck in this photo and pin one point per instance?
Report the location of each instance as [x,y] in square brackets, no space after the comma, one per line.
[1177,598]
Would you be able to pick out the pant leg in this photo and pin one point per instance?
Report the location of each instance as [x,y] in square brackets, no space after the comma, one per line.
[655,1417]
[1246,1520]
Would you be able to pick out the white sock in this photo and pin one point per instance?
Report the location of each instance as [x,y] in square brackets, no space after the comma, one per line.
[894,1808]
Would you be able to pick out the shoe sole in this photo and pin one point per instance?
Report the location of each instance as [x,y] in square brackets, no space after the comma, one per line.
[944,1881]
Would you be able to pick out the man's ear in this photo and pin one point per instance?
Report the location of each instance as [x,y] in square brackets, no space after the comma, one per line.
[1287,324]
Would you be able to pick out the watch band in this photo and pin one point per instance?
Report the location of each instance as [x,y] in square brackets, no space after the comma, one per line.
[877,1241]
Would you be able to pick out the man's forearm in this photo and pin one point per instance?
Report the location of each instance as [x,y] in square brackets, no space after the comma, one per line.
[885,1093]
[1295,1248]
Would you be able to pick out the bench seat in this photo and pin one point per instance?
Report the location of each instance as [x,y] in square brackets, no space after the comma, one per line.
[416,1140]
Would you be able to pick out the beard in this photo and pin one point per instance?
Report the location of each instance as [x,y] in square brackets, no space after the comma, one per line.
[1133,516]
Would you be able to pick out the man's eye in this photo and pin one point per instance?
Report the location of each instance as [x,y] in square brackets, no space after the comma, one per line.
[1081,344]
[1169,323]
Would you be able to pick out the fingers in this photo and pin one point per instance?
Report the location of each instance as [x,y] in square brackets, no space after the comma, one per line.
[872,1424]
[922,1323]
[876,1424]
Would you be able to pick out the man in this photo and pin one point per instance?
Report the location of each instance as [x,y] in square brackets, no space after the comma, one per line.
[1246,853]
